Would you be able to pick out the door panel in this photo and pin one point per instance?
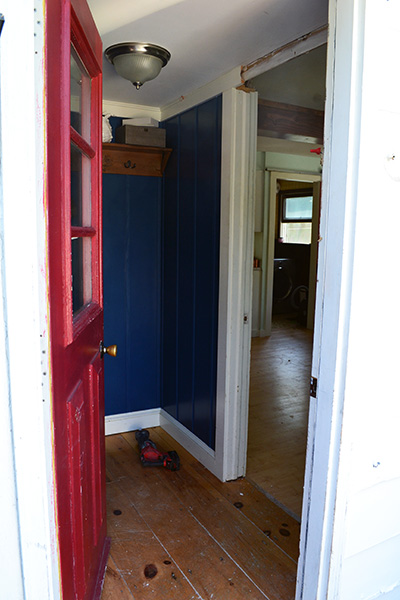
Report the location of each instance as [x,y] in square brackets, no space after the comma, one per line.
[78,477]
[73,50]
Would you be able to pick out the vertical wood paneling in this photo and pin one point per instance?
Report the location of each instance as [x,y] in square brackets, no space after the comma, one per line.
[207,269]
[170,305]
[131,232]
[186,266]
[191,268]
[115,206]
[143,292]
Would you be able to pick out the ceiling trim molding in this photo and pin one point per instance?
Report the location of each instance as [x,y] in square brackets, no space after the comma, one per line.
[230,80]
[129,111]
[277,57]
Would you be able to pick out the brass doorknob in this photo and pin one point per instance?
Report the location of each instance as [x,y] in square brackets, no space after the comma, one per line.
[110,350]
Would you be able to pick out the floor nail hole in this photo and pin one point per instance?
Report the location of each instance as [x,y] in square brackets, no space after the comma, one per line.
[117,512]
[150,571]
[167,562]
[284,532]
[238,504]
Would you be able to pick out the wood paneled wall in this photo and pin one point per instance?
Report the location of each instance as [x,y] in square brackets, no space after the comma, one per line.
[132,271]
[190,277]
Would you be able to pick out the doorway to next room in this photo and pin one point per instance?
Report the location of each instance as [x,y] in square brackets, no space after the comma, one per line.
[285,259]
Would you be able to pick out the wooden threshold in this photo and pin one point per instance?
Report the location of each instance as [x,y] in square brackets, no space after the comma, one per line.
[185,535]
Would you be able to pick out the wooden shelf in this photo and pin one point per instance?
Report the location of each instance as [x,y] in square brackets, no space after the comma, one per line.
[125,159]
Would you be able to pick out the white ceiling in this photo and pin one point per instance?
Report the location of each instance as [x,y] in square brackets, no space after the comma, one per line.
[206,38]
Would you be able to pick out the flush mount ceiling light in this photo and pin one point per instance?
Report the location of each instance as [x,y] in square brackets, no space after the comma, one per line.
[137,62]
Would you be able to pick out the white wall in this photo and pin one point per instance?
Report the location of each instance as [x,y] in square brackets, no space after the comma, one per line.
[368,493]
[28,560]
[350,536]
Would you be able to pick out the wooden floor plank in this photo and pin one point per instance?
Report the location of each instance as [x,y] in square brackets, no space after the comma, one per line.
[122,517]
[148,569]
[197,556]
[278,412]
[142,566]
[115,587]
[253,551]
[186,524]
[272,520]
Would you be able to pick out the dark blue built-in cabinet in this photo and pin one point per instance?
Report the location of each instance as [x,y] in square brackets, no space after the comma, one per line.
[161,274]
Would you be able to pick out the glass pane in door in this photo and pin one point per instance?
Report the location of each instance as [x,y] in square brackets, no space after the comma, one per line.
[81,257]
[80,96]
[80,189]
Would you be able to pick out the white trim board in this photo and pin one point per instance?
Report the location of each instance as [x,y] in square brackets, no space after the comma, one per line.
[140,419]
[188,440]
[239,114]
[129,111]
[277,57]
[29,561]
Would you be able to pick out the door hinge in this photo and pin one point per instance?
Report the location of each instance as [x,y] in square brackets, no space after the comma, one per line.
[313,387]
[245,319]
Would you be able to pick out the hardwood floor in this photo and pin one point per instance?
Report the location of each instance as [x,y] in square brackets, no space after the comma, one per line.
[185,535]
[279,400]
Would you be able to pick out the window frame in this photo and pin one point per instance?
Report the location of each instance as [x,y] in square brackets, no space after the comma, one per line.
[290,193]
[283,195]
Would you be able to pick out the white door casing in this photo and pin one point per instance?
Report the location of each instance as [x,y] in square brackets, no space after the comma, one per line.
[29,559]
[333,296]
[269,241]
[239,146]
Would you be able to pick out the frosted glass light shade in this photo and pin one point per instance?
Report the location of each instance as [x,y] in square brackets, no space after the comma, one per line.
[137,62]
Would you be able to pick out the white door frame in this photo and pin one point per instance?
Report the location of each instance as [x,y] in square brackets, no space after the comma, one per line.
[239,147]
[333,296]
[269,241]
[341,145]
[29,566]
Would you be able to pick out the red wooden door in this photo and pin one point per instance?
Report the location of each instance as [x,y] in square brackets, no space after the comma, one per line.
[74,86]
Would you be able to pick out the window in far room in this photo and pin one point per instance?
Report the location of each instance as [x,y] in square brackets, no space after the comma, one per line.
[295,215]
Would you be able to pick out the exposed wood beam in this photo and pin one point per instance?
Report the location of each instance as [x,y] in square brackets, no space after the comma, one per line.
[277,57]
[287,121]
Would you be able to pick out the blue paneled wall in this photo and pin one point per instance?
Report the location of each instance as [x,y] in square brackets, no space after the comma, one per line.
[131,257]
[161,276]
[190,268]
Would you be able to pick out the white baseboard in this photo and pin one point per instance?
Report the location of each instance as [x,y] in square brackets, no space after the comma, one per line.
[131,421]
[142,419]
[189,441]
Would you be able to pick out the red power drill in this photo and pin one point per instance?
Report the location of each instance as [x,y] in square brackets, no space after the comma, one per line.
[151,457]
